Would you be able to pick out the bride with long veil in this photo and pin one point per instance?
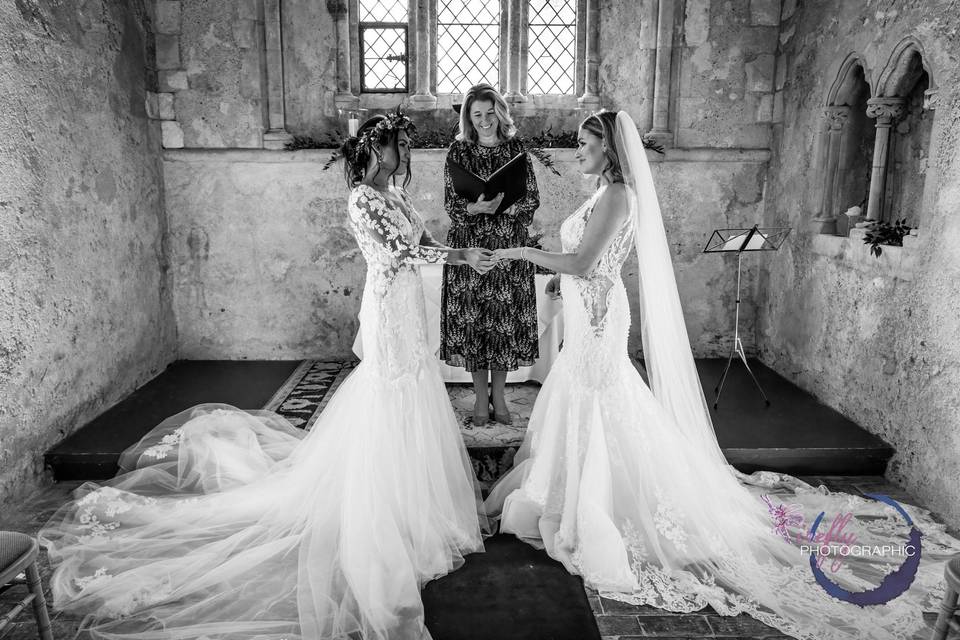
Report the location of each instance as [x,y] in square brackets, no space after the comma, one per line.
[233,524]
[626,485]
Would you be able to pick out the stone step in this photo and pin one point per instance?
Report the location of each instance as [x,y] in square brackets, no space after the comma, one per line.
[796,434]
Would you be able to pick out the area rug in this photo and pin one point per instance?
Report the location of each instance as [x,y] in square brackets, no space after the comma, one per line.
[510,592]
[302,398]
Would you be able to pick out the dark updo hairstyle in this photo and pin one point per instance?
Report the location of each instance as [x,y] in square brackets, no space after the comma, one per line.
[603,124]
[356,151]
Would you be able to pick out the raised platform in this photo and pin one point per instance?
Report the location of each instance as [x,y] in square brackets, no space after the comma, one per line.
[796,434]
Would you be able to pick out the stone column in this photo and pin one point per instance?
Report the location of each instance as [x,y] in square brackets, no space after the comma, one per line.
[422,35]
[836,118]
[662,76]
[515,9]
[344,97]
[591,95]
[886,111]
[276,135]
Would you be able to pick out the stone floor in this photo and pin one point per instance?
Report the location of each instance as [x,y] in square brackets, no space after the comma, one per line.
[616,621]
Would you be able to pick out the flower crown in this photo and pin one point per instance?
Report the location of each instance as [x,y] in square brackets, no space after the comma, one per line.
[396,120]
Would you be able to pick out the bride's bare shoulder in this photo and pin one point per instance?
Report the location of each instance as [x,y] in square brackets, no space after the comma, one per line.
[613,201]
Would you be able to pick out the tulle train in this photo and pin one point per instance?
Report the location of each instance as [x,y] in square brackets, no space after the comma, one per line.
[233,524]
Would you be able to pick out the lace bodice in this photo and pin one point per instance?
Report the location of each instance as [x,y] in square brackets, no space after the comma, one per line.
[594,288]
[611,262]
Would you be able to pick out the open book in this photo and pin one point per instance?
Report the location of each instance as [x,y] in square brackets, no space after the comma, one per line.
[510,180]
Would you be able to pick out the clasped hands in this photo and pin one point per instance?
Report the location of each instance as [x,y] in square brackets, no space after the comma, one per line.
[482,260]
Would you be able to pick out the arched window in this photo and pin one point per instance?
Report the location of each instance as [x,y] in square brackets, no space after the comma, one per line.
[909,151]
[848,148]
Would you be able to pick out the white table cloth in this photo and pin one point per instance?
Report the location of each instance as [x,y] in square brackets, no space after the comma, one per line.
[549,328]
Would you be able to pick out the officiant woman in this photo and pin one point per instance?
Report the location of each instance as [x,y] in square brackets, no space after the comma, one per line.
[488,322]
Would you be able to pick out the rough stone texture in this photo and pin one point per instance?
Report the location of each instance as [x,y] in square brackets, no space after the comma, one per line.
[628,42]
[168,16]
[726,62]
[264,265]
[172,80]
[880,345]
[716,102]
[165,104]
[222,102]
[86,315]
[172,134]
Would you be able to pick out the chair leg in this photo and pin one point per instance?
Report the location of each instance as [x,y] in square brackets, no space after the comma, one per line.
[39,602]
[947,607]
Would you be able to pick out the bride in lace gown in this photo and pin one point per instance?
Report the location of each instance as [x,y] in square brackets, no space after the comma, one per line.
[625,484]
[233,524]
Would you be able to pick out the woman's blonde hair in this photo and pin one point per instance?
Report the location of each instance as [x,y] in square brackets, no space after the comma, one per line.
[603,124]
[484,91]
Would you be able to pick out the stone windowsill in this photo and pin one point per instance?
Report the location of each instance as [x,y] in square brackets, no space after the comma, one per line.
[894,262]
[445,101]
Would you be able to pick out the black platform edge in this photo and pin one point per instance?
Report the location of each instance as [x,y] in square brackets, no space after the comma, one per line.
[797,462]
[92,451]
[243,383]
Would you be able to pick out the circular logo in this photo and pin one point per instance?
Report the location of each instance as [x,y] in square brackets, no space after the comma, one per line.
[893,584]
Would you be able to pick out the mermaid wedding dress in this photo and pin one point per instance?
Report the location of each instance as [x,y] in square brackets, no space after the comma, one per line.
[233,524]
[615,482]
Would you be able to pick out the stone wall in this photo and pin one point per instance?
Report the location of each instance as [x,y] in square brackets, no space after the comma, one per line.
[879,339]
[86,316]
[264,265]
[718,92]
[720,85]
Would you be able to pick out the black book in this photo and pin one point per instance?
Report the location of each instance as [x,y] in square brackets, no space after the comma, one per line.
[510,180]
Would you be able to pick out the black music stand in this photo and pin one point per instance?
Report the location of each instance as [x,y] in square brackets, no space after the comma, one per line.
[740,240]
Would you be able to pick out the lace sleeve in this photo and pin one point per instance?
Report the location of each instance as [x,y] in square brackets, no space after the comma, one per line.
[373,217]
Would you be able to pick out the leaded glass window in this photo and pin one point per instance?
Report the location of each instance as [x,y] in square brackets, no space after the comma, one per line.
[383,46]
[468,44]
[552,46]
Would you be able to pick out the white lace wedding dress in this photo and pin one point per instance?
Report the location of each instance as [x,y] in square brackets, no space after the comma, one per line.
[607,483]
[233,524]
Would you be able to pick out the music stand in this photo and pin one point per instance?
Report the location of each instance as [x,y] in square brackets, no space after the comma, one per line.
[741,240]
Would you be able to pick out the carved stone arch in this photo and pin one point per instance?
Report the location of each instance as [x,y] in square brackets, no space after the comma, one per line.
[845,84]
[906,65]
[847,145]
[904,113]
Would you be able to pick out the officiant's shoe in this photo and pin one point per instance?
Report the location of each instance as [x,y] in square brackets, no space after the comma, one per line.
[502,418]
[480,420]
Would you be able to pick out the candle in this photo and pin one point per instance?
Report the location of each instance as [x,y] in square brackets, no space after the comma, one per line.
[353,125]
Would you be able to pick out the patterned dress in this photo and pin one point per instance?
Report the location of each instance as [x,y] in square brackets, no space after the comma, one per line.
[489,321]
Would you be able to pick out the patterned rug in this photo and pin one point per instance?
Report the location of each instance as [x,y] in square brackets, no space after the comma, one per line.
[304,395]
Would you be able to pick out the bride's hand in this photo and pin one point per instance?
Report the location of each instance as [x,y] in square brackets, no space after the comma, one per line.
[482,260]
[512,253]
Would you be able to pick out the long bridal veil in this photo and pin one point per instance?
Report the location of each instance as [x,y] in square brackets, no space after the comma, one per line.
[666,347]
[741,542]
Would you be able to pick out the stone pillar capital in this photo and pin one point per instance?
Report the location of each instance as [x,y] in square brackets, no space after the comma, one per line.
[836,117]
[885,110]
